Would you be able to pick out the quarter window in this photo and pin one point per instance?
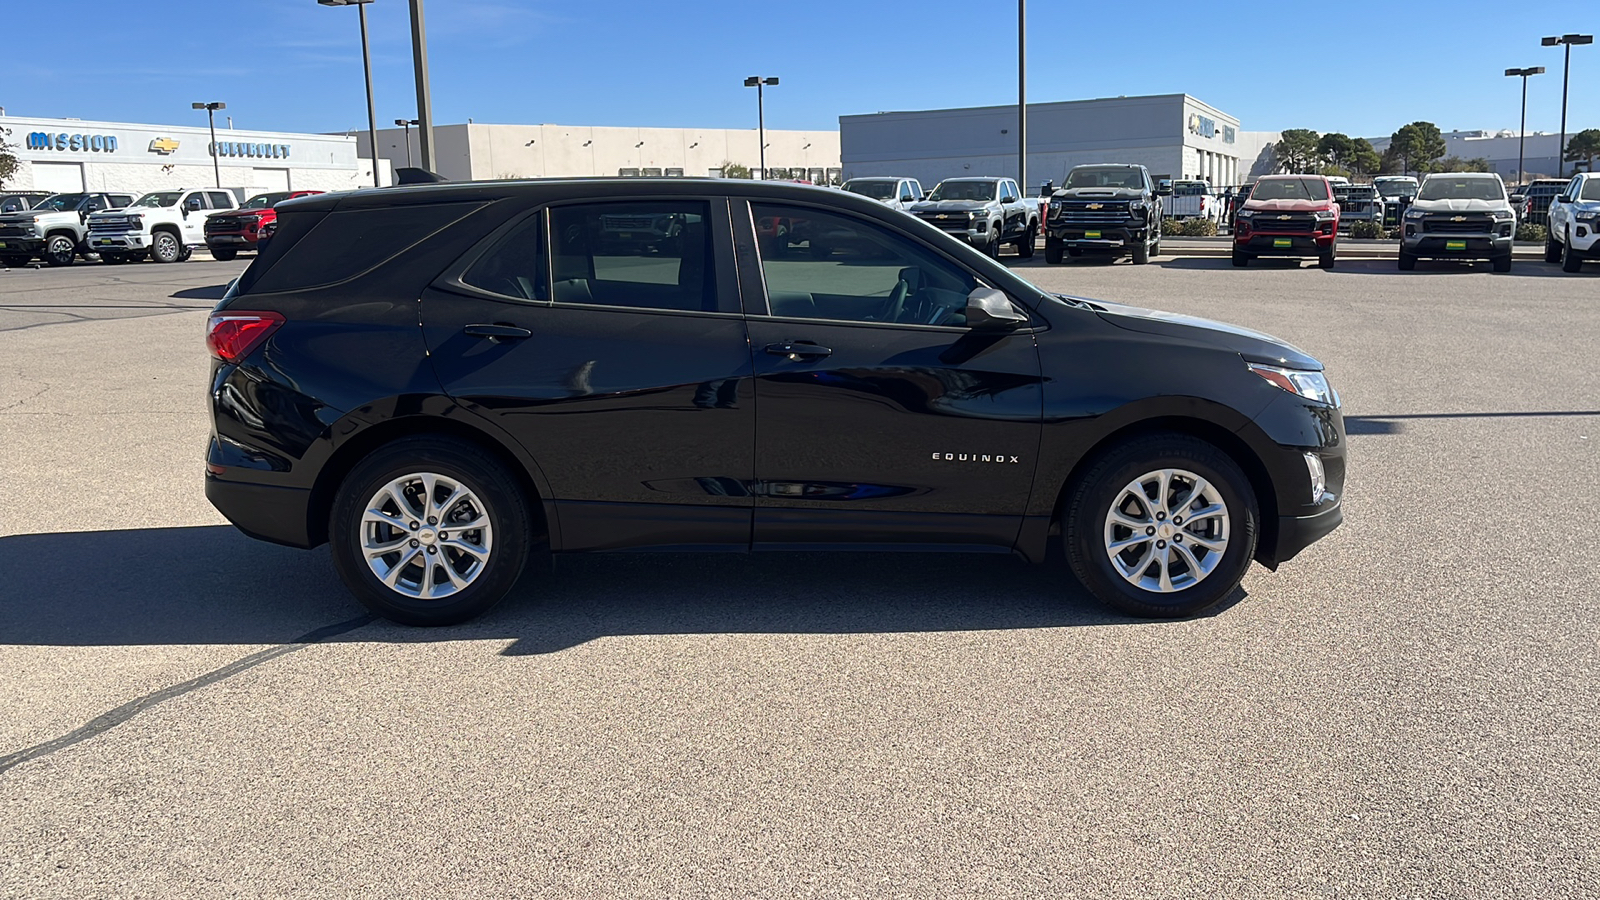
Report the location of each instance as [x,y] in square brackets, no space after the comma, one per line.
[220,200]
[646,254]
[515,266]
[820,265]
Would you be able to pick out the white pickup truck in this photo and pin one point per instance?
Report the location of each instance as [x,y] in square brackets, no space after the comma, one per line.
[1191,200]
[1575,223]
[164,226]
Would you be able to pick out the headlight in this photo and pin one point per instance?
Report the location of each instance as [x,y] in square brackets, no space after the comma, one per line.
[1504,215]
[1413,213]
[1588,216]
[1310,385]
[1246,213]
[1324,215]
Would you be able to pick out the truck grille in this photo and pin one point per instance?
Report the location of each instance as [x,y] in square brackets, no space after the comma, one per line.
[1284,222]
[16,231]
[1093,211]
[1467,224]
[954,221]
[111,223]
[225,223]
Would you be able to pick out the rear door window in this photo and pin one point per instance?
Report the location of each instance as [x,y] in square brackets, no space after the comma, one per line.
[652,254]
[220,200]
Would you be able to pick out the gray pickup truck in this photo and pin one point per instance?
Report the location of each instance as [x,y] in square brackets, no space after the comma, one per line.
[1459,215]
[55,229]
[986,212]
[1110,209]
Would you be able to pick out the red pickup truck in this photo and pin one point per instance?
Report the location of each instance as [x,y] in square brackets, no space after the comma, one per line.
[238,229]
[1287,215]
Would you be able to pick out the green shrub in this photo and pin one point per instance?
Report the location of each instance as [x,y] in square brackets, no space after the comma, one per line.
[1368,230]
[1535,233]
[1188,227]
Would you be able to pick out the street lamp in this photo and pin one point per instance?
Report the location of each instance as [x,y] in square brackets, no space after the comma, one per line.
[366,65]
[757,82]
[1567,40]
[1522,134]
[406,124]
[211,117]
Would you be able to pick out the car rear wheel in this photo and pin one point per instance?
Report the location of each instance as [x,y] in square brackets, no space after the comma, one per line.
[164,247]
[1161,526]
[224,254]
[1552,248]
[1571,260]
[60,250]
[429,531]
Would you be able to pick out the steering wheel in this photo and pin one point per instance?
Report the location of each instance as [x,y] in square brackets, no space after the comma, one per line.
[897,300]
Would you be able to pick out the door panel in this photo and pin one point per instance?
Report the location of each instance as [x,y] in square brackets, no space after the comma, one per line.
[652,407]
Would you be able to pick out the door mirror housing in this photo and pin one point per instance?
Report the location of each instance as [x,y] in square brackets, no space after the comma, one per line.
[990,310]
[193,204]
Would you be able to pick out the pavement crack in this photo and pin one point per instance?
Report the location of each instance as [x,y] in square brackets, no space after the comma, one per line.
[106,721]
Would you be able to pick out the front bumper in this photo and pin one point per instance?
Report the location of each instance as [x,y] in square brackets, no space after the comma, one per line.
[1257,243]
[235,240]
[118,241]
[1295,533]
[1092,238]
[1585,237]
[1457,246]
[18,245]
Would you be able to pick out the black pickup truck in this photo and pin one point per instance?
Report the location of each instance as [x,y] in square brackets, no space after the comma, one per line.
[1110,210]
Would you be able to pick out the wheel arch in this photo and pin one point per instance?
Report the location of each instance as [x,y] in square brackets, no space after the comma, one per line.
[1229,442]
[358,446]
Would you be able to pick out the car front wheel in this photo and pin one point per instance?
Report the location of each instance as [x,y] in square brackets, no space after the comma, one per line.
[429,531]
[1161,526]
[60,250]
[1571,260]
[164,247]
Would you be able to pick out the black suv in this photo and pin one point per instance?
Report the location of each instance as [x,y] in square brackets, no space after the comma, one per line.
[1104,209]
[441,379]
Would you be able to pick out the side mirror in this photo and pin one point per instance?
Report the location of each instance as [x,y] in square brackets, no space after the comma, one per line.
[193,204]
[1163,190]
[990,310]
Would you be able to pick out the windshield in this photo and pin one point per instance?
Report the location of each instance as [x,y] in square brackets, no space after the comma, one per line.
[964,190]
[1395,187]
[1105,177]
[1190,189]
[60,202]
[1290,189]
[159,198]
[877,190]
[1461,188]
[265,201]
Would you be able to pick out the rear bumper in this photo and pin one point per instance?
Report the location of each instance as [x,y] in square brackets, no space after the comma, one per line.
[264,512]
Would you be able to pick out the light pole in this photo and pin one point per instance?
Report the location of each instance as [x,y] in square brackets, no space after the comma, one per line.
[406,124]
[211,117]
[1022,96]
[757,82]
[1567,40]
[366,66]
[419,58]
[1522,134]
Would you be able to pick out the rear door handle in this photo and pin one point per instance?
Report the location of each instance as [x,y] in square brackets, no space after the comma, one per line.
[494,332]
[798,350]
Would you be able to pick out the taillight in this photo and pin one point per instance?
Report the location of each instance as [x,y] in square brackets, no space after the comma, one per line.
[231,336]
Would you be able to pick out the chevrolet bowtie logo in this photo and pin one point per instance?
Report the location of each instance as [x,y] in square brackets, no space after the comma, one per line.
[163,146]
[1096,206]
[1283,218]
[1458,218]
[943,216]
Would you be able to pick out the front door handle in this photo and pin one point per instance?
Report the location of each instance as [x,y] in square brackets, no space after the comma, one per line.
[496,332]
[798,350]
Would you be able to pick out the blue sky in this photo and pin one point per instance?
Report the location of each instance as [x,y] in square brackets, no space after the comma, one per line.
[292,65]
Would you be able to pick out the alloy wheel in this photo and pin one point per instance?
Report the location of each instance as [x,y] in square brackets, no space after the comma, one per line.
[1166,531]
[426,536]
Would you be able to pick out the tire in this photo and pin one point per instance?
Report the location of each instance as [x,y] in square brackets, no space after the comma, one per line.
[1571,260]
[1052,253]
[1141,253]
[15,262]
[1241,259]
[1552,249]
[1502,263]
[1326,258]
[224,254]
[993,247]
[186,252]
[165,247]
[1110,487]
[59,250]
[494,497]
[1025,244]
[1408,262]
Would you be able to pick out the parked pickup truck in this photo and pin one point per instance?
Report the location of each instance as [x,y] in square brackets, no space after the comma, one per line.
[54,229]
[1288,215]
[1575,223]
[984,211]
[1358,203]
[889,190]
[164,226]
[1397,192]
[240,229]
[1110,210]
[1459,215]
[21,201]
[1191,200]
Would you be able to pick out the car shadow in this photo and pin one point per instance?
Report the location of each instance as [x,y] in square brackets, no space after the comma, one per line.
[213,585]
[209,292]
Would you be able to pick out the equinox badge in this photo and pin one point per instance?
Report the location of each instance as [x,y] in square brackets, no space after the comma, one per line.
[976,457]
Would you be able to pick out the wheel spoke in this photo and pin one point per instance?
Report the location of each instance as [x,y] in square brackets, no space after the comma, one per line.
[1205,512]
[1164,560]
[1196,571]
[470,525]
[428,565]
[393,575]
[398,496]
[450,501]
[1118,518]
[429,481]
[1162,491]
[375,550]
[1199,491]
[456,581]
[478,553]
[1135,573]
[1209,544]
[377,516]
[1139,537]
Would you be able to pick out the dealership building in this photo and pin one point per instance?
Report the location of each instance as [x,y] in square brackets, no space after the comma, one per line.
[68,155]
[1173,135]
[478,152]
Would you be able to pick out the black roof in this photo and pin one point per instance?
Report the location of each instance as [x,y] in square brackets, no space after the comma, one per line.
[537,190]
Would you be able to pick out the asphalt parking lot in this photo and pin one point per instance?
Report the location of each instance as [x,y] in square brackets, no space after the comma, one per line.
[1406,710]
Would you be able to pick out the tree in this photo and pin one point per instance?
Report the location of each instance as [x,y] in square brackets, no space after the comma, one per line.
[734,170]
[1584,147]
[8,160]
[1418,144]
[1297,150]
[1336,149]
[1457,164]
[1363,159]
